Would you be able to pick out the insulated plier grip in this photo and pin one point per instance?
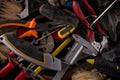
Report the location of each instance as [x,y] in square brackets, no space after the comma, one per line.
[81,17]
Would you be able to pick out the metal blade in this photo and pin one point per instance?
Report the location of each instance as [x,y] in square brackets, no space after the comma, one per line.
[29,52]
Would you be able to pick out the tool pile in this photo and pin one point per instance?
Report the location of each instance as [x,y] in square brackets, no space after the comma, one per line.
[46,37]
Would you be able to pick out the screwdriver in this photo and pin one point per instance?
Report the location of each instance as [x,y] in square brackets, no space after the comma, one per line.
[108,67]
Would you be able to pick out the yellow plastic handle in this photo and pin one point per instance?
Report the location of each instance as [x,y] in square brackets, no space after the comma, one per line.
[64,32]
[56,52]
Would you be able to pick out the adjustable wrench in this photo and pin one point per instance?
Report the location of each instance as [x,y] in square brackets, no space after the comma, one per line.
[74,54]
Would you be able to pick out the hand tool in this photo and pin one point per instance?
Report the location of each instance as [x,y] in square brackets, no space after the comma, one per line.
[107,67]
[77,10]
[46,44]
[65,31]
[93,47]
[103,12]
[80,15]
[29,52]
[56,52]
[41,27]
[92,12]
[7,68]
[109,20]
[99,46]
[56,14]
[80,47]
[18,23]
[74,54]
[31,25]
[62,46]
[11,65]
[27,73]
[85,44]
[22,76]
[37,41]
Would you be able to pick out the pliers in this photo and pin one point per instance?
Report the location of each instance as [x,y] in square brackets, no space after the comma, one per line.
[77,10]
[31,26]
[19,23]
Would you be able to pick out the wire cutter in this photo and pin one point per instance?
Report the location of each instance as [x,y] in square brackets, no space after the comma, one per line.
[77,10]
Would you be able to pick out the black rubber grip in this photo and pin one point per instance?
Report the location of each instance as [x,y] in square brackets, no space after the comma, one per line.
[25,47]
[56,14]
[12,21]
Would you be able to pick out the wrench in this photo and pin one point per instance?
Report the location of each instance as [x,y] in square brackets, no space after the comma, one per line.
[73,55]
[76,53]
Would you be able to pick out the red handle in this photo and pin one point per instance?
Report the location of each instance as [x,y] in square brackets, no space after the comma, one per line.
[81,17]
[22,76]
[91,10]
[9,67]
[11,54]
[88,7]
[79,13]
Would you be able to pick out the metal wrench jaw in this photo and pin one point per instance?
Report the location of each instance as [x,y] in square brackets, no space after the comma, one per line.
[85,44]
[100,45]
[73,54]
[44,60]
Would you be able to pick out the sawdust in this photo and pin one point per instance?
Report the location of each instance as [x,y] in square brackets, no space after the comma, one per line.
[87,75]
[10,10]
[87,72]
[83,72]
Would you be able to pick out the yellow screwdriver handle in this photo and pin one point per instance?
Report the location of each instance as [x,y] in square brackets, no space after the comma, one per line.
[64,32]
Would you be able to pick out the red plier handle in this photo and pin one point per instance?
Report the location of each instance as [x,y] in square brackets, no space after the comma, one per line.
[22,76]
[92,12]
[81,17]
[8,68]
